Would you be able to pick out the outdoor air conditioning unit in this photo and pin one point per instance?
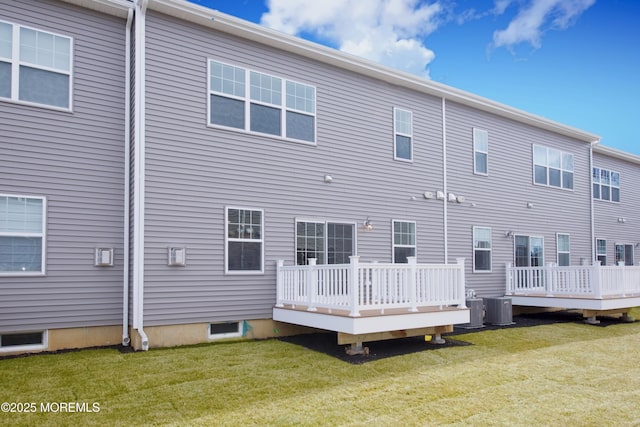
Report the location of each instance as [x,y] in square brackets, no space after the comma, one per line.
[498,311]
[476,315]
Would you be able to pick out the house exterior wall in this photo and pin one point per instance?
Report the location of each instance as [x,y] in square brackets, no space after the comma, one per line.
[194,171]
[500,199]
[74,159]
[608,215]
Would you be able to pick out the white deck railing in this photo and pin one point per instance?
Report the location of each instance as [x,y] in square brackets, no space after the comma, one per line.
[594,281]
[378,286]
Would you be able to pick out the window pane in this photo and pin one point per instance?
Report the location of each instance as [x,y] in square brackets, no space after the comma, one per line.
[615,194]
[539,155]
[6,40]
[20,254]
[300,126]
[480,140]
[227,112]
[615,179]
[339,243]
[604,176]
[400,254]
[245,256]
[554,158]
[601,246]
[301,97]
[596,175]
[628,254]
[265,119]
[541,175]
[403,122]
[481,163]
[265,88]
[5,80]
[563,242]
[554,177]
[19,214]
[596,191]
[536,252]
[605,193]
[564,259]
[403,147]
[482,260]
[567,162]
[44,87]
[567,180]
[227,79]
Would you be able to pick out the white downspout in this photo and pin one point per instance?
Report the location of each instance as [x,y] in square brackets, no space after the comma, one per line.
[139,163]
[126,340]
[594,248]
[444,181]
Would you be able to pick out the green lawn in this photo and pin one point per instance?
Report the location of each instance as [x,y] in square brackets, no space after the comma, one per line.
[569,373]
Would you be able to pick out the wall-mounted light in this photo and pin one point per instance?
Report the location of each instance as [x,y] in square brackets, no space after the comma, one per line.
[440,195]
[428,195]
[529,205]
[367,224]
[622,220]
[452,197]
[328,179]
[508,233]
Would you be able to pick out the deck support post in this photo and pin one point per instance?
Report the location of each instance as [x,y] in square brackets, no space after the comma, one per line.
[437,339]
[626,318]
[357,348]
[591,320]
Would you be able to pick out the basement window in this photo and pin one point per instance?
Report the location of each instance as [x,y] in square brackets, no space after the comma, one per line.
[225,330]
[23,341]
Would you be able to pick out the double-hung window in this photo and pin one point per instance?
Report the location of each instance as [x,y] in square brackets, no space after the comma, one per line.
[480,152]
[606,185]
[402,134]
[481,249]
[257,102]
[244,240]
[22,235]
[552,167]
[601,251]
[563,249]
[35,66]
[404,240]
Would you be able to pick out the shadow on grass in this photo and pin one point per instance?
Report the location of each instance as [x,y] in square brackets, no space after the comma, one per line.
[327,343]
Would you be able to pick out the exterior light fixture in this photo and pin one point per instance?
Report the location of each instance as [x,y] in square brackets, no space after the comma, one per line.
[368,226]
[508,233]
[328,179]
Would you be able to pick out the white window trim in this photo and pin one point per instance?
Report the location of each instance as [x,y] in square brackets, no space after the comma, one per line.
[611,186]
[15,68]
[393,239]
[533,167]
[28,347]
[558,251]
[476,150]
[43,235]
[326,223]
[396,132]
[490,249]
[248,101]
[227,240]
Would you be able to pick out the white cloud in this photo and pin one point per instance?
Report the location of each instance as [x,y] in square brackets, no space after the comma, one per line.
[390,32]
[535,18]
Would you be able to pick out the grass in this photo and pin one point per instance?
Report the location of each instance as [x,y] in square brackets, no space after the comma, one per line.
[545,375]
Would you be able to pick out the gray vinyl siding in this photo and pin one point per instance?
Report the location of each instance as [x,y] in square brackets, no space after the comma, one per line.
[501,197]
[74,160]
[194,171]
[606,213]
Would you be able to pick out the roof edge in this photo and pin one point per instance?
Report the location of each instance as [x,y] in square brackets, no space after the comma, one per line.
[614,152]
[119,8]
[251,31]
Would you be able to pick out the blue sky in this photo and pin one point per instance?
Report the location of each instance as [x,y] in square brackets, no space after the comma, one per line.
[576,62]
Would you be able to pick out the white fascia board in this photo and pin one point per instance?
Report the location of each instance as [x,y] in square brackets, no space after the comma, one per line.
[250,31]
[119,8]
[613,152]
